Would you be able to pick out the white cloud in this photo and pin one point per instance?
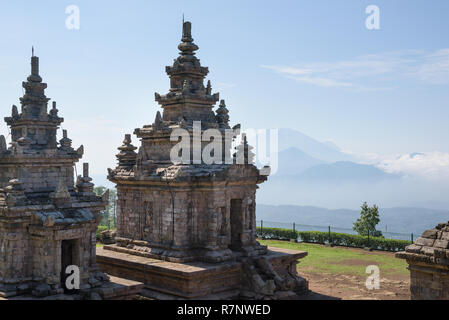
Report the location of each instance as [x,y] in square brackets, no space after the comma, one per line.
[430,165]
[322,82]
[423,165]
[436,67]
[357,73]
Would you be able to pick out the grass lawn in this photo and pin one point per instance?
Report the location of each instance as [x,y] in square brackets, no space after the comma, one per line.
[340,260]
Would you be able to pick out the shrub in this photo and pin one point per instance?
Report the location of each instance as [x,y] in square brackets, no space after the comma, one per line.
[100,229]
[340,239]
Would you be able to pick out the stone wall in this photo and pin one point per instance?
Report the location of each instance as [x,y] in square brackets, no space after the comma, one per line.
[427,283]
[189,218]
[42,177]
[15,253]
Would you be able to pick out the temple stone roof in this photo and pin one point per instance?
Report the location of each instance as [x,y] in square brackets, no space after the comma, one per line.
[431,248]
[66,217]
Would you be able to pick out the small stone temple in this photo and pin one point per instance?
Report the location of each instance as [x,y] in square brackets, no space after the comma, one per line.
[186,227]
[47,222]
[428,260]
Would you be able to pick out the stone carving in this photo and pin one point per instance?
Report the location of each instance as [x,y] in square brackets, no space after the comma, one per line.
[61,194]
[3,146]
[14,112]
[80,151]
[244,154]
[54,111]
[127,157]
[65,142]
[222,115]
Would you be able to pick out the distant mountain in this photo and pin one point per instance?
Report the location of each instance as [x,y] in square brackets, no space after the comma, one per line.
[345,171]
[295,161]
[401,219]
[324,151]
[331,145]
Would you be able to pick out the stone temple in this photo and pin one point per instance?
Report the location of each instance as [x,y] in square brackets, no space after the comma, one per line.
[47,222]
[187,227]
[428,260]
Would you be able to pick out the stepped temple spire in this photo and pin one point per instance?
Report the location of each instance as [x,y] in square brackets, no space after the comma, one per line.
[33,124]
[187,85]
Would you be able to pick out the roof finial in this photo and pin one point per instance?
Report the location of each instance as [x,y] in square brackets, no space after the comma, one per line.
[187,47]
[187,32]
[32,51]
[34,68]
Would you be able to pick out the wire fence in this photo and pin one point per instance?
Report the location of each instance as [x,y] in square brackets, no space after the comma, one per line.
[304,227]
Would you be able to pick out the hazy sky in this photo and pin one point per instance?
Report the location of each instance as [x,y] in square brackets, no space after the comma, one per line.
[308,65]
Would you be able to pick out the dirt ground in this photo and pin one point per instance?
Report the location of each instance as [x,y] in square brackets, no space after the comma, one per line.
[348,287]
[352,287]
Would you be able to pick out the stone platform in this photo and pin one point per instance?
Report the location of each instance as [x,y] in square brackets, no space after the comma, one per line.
[198,280]
[115,289]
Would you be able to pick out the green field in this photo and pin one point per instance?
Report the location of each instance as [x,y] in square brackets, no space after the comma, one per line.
[339,260]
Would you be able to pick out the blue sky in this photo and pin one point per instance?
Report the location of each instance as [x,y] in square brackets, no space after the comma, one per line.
[307,65]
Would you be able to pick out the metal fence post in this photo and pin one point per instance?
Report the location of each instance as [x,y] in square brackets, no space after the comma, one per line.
[412,236]
[368,239]
[330,239]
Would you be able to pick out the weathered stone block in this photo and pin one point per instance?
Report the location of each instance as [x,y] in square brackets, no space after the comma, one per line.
[444,244]
[440,226]
[430,234]
[425,241]
[414,248]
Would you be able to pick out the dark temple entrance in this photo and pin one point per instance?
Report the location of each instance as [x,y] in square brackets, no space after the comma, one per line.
[236,224]
[68,251]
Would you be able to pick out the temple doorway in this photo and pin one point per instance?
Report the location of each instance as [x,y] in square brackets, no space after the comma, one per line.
[236,224]
[68,251]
